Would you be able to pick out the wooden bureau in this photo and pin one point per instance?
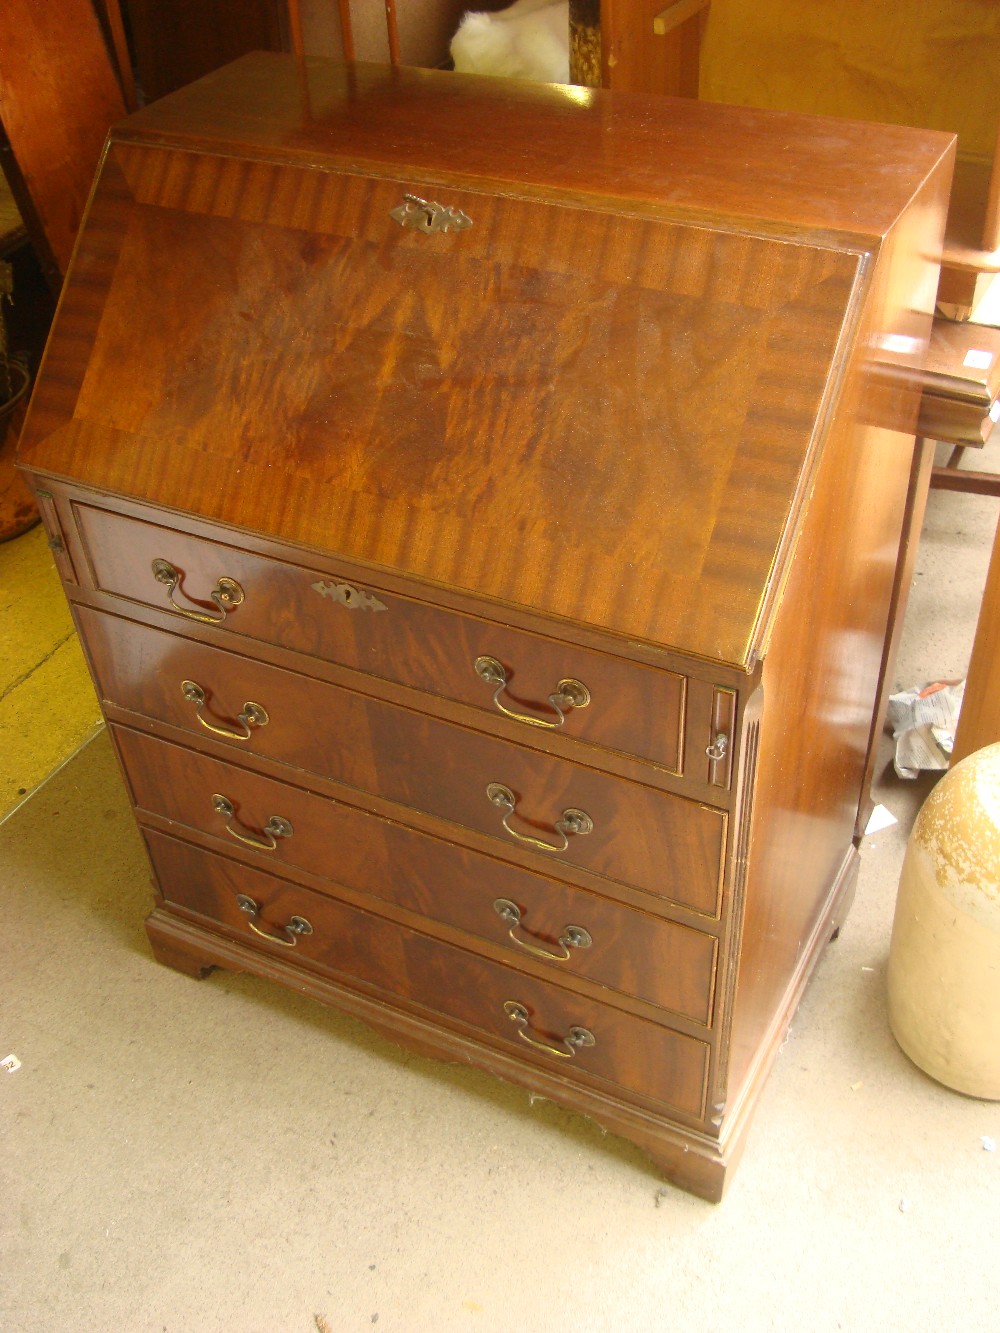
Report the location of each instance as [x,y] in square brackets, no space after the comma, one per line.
[482,506]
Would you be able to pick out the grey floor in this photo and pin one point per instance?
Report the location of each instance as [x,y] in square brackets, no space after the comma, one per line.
[182,1155]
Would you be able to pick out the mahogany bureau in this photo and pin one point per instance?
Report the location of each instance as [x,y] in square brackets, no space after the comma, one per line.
[483,506]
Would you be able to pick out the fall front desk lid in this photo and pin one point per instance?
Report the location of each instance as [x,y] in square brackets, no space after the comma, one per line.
[575,400]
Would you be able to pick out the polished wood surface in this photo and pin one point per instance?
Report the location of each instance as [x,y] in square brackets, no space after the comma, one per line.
[654,407]
[443,453]
[668,155]
[630,708]
[961,383]
[654,1061]
[833,650]
[639,954]
[665,845]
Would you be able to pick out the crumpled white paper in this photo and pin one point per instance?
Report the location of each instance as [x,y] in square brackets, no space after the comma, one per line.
[923,721]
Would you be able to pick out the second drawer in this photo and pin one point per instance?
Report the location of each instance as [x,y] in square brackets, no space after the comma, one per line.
[569,814]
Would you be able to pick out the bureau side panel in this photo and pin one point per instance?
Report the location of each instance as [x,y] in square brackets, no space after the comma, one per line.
[827,655]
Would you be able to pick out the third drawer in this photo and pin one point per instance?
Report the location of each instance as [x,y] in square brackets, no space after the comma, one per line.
[526,801]
[652,959]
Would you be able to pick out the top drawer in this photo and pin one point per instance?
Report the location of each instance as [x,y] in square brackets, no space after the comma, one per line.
[542,683]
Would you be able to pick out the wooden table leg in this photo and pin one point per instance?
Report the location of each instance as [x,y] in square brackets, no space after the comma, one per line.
[979,721]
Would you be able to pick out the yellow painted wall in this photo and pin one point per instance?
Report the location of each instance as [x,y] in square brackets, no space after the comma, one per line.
[932,63]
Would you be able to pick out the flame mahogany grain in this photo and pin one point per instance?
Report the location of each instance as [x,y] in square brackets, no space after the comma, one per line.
[648,422]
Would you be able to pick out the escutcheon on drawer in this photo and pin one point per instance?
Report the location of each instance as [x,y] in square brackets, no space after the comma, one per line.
[541,683]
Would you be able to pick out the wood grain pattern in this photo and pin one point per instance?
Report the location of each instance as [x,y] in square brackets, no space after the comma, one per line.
[654,959]
[833,639]
[632,709]
[687,1155]
[603,332]
[664,844]
[670,155]
[656,405]
[398,964]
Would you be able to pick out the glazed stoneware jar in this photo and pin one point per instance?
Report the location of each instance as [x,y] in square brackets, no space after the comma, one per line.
[944,959]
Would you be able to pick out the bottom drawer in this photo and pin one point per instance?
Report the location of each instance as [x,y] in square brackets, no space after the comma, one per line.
[545,1023]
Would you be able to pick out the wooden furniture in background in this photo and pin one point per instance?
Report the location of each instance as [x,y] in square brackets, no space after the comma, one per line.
[960,400]
[960,384]
[971,260]
[59,93]
[475,511]
[178,41]
[110,14]
[979,720]
[637,45]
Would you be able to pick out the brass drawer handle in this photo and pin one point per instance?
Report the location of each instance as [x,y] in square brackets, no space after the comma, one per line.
[567,695]
[573,937]
[575,1039]
[572,821]
[297,926]
[226,594]
[275,828]
[718,749]
[252,716]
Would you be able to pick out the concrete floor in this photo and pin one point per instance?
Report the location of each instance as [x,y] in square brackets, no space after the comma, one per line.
[223,1155]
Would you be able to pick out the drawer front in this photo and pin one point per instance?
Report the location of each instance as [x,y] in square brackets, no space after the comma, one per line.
[599,699]
[636,1054]
[661,843]
[642,955]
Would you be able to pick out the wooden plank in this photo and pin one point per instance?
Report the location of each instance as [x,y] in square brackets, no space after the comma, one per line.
[968,483]
[652,49]
[674,15]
